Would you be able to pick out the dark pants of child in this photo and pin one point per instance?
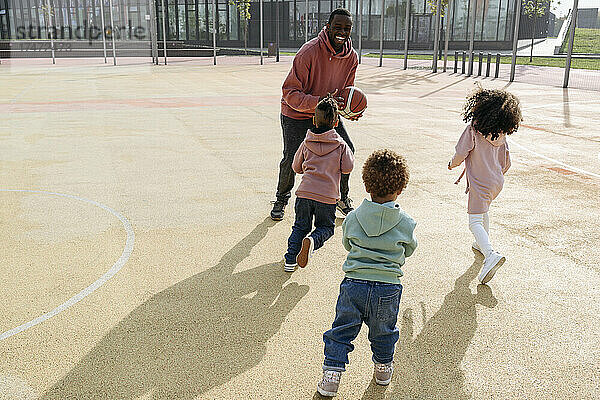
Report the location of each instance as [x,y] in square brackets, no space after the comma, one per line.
[306,209]
[294,132]
[374,303]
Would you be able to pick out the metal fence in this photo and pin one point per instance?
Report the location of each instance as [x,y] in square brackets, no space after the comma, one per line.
[487,38]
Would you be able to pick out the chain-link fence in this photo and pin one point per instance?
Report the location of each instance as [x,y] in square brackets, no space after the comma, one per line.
[487,38]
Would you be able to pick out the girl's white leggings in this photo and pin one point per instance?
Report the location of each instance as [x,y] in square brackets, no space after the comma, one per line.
[479,224]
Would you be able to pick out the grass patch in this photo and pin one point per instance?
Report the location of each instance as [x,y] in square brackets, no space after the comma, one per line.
[577,63]
[587,41]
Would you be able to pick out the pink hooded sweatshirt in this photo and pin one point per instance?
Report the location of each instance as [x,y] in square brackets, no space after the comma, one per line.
[486,162]
[322,158]
[316,71]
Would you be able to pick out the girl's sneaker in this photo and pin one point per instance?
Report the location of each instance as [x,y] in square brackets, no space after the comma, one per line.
[289,267]
[490,266]
[383,373]
[329,383]
[308,245]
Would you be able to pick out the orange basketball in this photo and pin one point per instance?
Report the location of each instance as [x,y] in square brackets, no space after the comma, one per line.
[355,102]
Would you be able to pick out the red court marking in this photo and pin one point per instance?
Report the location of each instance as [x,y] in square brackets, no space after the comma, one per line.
[567,172]
[157,102]
[537,128]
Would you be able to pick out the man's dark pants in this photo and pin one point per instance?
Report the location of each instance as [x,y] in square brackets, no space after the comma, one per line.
[294,132]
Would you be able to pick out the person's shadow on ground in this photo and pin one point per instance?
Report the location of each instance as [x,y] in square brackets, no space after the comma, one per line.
[192,336]
[428,366]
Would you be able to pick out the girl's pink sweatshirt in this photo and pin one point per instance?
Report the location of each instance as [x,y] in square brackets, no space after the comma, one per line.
[316,71]
[322,158]
[486,162]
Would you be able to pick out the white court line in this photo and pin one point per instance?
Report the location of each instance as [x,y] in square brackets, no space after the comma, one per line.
[567,166]
[101,281]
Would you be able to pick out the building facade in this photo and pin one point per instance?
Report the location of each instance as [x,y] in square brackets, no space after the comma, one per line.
[190,21]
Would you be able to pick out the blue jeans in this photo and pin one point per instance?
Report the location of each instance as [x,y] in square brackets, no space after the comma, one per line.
[374,303]
[306,209]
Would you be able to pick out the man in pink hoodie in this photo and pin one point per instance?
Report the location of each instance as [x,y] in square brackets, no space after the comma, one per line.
[321,159]
[325,64]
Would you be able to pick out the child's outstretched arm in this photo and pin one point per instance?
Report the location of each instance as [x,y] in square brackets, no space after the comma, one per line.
[298,160]
[463,147]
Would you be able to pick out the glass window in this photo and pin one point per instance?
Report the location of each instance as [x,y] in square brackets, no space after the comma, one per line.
[235,24]
[461,12]
[490,21]
[181,20]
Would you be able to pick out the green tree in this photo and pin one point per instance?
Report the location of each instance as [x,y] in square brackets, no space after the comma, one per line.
[534,9]
[243,7]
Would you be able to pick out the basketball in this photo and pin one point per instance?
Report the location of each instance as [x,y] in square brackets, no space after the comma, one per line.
[355,102]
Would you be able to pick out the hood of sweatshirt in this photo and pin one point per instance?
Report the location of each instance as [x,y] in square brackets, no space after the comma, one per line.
[376,219]
[499,141]
[346,51]
[323,143]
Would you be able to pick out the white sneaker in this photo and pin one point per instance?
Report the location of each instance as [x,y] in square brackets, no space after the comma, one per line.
[308,245]
[490,266]
[329,383]
[290,267]
[383,373]
[475,246]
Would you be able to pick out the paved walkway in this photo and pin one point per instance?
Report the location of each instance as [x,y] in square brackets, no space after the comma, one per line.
[187,155]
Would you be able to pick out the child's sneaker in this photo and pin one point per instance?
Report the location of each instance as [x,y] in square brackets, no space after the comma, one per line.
[329,383]
[287,267]
[383,373]
[490,266]
[308,244]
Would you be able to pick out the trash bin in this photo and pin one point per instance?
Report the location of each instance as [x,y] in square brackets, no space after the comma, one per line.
[272,50]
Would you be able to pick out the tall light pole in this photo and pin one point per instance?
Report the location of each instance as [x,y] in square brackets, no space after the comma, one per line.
[112,32]
[261,32]
[571,40]
[515,39]
[406,33]
[381,32]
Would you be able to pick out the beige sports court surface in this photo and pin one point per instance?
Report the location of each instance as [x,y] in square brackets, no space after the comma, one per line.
[138,261]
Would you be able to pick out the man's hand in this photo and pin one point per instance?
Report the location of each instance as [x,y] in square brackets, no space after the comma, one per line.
[355,118]
[341,102]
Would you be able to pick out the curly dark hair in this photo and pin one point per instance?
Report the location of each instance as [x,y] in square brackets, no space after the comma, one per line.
[385,172]
[493,112]
[326,112]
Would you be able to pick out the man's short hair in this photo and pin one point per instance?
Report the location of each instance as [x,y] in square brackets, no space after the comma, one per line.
[339,11]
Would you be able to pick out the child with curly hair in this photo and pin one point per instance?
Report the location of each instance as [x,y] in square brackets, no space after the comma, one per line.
[494,114]
[378,236]
[321,159]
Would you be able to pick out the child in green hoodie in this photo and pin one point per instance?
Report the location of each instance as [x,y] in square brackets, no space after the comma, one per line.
[378,236]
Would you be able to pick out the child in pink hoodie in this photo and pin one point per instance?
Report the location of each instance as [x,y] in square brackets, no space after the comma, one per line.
[321,159]
[494,114]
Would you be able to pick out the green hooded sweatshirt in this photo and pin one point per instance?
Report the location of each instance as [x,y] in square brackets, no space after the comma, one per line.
[378,239]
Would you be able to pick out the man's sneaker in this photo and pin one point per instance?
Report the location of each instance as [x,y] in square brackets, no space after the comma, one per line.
[490,266]
[475,246]
[290,267]
[278,210]
[329,383]
[345,206]
[308,245]
[383,373]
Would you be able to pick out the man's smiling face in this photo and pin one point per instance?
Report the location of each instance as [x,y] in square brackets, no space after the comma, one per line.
[339,30]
